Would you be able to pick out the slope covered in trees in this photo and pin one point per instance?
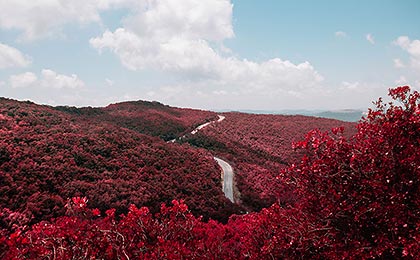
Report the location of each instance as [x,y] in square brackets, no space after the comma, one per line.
[150,118]
[354,198]
[47,156]
[259,146]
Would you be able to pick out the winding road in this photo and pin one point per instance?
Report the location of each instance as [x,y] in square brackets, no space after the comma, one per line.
[198,128]
[227,169]
[227,185]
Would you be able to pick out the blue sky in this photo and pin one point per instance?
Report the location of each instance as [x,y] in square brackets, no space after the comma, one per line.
[209,54]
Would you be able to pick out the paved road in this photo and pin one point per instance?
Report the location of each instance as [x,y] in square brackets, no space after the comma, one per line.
[227,170]
[198,128]
[227,178]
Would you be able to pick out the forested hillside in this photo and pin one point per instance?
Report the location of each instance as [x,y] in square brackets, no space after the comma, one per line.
[49,156]
[150,118]
[76,187]
[260,146]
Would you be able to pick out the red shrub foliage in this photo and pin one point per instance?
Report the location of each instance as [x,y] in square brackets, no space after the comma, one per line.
[174,233]
[361,196]
[47,156]
[259,146]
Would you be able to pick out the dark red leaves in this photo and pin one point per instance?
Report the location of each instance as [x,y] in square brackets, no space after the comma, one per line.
[47,156]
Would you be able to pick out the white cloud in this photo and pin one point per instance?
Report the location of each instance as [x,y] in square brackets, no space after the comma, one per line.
[403,42]
[47,79]
[369,38]
[412,47]
[166,36]
[51,79]
[23,80]
[398,63]
[176,54]
[40,18]
[350,85]
[12,57]
[340,34]
[193,19]
[237,97]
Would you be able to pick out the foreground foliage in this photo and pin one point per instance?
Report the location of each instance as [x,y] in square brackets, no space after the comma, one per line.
[362,197]
[356,198]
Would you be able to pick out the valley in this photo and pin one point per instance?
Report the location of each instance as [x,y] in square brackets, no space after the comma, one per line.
[149,181]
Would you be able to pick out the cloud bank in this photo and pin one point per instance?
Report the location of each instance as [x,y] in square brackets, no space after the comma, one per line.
[187,40]
[412,47]
[45,18]
[47,79]
[12,57]
[185,43]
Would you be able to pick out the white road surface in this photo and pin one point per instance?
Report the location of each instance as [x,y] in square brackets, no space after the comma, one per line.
[198,128]
[227,170]
[227,185]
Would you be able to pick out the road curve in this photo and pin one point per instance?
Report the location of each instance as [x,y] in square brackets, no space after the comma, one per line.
[227,170]
[227,185]
[198,128]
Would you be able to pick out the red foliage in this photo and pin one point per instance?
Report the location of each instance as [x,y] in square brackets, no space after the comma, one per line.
[47,156]
[150,118]
[259,146]
[174,233]
[361,196]
[357,198]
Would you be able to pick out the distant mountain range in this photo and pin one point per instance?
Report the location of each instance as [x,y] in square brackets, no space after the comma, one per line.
[348,115]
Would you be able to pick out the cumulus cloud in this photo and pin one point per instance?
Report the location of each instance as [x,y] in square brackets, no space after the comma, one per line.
[169,36]
[193,19]
[340,34]
[412,47]
[166,36]
[47,79]
[40,18]
[51,79]
[345,85]
[12,57]
[22,80]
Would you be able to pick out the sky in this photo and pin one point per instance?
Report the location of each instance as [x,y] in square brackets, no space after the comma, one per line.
[209,54]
